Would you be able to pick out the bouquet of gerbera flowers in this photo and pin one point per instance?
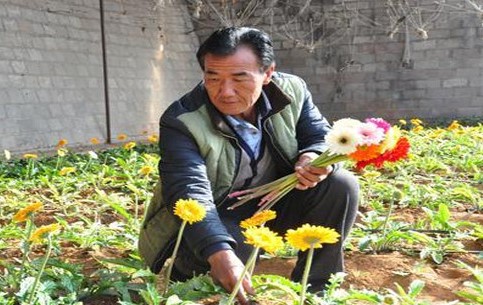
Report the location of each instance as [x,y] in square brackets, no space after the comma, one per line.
[371,142]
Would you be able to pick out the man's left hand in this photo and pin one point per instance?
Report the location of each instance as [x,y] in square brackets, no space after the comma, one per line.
[308,175]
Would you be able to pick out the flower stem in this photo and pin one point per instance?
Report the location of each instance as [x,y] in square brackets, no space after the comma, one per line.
[305,276]
[41,271]
[252,266]
[173,256]
[381,246]
[251,261]
[26,243]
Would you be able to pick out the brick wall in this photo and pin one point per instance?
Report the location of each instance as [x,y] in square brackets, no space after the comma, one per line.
[51,77]
[362,74]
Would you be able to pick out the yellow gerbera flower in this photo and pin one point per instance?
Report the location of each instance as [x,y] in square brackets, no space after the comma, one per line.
[308,236]
[391,138]
[122,137]
[30,156]
[62,143]
[43,231]
[94,141]
[189,210]
[153,138]
[454,125]
[263,237]
[61,152]
[129,145]
[258,219]
[418,128]
[402,122]
[371,174]
[66,170]
[23,214]
[146,170]
[416,122]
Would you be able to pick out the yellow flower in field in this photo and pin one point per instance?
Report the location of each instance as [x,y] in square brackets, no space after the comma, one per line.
[62,143]
[454,125]
[23,214]
[418,128]
[436,133]
[189,210]
[258,219]
[371,174]
[61,152]
[153,138]
[263,237]
[66,170]
[30,156]
[43,231]
[391,138]
[94,141]
[146,170]
[416,122]
[402,122]
[129,145]
[308,236]
[122,137]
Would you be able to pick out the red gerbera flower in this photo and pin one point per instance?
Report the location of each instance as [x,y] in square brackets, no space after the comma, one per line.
[400,151]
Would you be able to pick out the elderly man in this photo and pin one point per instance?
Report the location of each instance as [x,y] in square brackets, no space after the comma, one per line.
[244,125]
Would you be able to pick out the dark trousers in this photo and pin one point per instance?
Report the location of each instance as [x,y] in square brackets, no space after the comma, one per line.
[332,203]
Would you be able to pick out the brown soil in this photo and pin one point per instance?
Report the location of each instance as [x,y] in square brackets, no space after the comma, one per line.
[378,272]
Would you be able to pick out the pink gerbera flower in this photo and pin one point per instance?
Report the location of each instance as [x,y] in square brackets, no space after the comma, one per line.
[379,123]
[371,133]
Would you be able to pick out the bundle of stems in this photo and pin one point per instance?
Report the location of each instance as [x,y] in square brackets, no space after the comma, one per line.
[274,191]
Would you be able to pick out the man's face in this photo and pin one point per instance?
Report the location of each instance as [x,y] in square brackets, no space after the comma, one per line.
[234,83]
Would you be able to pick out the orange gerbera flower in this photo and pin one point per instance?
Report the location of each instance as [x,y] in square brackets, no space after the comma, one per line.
[23,214]
[366,152]
[62,143]
[258,219]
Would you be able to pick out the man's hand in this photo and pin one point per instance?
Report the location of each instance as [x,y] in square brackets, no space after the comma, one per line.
[307,175]
[226,269]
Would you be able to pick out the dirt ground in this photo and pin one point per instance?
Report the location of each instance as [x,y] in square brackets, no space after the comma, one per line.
[379,271]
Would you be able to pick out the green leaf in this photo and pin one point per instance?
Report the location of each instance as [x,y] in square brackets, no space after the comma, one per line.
[415,288]
[443,214]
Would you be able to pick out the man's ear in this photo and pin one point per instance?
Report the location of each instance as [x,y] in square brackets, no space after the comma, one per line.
[268,74]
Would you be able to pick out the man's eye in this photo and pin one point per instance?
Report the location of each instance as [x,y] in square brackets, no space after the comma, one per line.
[213,79]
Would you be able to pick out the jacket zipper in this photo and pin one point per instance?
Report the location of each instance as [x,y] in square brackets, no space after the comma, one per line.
[284,158]
[225,196]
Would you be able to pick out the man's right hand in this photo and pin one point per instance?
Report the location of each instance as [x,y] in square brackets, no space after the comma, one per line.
[226,269]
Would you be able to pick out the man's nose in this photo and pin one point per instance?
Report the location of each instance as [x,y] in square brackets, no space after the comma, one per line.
[227,88]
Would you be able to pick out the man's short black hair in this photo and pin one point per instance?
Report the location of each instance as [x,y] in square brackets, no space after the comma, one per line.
[224,42]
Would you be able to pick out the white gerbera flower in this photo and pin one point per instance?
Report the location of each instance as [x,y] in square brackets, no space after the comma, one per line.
[346,123]
[343,141]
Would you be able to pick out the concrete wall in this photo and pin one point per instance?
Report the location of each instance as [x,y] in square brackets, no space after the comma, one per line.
[362,74]
[51,75]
